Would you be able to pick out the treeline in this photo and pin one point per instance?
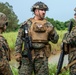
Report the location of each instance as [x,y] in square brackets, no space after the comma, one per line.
[13,19]
[58,24]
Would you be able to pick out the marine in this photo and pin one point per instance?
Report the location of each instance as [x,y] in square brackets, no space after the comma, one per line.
[4,48]
[70,45]
[40,32]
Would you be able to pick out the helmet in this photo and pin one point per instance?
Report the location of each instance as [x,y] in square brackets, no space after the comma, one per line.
[39,5]
[3,20]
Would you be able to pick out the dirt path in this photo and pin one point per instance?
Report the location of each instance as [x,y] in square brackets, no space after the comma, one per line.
[54,58]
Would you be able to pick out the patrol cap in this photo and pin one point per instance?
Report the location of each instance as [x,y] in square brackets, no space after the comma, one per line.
[39,5]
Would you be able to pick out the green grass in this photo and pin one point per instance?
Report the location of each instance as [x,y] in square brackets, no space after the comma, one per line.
[52,70]
[11,39]
[14,70]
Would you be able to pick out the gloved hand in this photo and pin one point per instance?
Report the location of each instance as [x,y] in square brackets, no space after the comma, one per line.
[18,57]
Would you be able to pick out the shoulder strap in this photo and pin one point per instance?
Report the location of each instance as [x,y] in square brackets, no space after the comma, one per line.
[41,21]
[65,68]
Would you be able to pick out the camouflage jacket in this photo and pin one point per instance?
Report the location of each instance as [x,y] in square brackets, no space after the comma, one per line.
[70,38]
[53,37]
[4,49]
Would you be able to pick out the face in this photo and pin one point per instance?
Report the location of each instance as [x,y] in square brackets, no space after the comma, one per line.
[40,13]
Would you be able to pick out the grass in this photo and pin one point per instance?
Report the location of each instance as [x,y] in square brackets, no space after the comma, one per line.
[14,70]
[11,39]
[52,70]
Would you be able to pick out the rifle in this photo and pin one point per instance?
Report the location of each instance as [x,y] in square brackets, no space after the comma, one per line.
[61,58]
[27,44]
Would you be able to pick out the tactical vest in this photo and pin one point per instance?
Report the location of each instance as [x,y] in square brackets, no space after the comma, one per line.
[38,31]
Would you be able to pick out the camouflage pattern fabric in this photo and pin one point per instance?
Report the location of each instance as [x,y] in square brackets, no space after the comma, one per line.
[72,54]
[4,59]
[70,39]
[72,57]
[5,67]
[39,64]
[39,5]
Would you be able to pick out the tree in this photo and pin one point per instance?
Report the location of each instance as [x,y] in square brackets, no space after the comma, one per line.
[59,25]
[12,18]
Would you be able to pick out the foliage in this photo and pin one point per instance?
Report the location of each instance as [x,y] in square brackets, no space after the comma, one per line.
[12,18]
[14,70]
[57,24]
[11,38]
[53,69]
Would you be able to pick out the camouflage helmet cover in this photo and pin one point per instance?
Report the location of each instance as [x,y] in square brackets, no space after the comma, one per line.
[3,20]
[39,5]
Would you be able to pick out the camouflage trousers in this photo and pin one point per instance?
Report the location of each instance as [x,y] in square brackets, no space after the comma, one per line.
[39,66]
[5,68]
[72,57]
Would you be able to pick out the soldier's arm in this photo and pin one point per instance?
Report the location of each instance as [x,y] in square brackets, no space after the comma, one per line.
[3,49]
[8,50]
[19,41]
[53,36]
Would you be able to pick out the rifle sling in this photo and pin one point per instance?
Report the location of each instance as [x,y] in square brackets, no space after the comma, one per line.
[66,67]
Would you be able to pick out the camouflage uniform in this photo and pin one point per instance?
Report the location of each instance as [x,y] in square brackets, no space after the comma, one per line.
[70,39]
[39,64]
[4,49]
[72,52]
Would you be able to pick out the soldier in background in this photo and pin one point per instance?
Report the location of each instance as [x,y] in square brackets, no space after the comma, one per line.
[41,32]
[4,48]
[70,46]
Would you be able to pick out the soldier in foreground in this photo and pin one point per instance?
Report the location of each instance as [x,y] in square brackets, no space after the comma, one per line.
[4,48]
[32,44]
[69,41]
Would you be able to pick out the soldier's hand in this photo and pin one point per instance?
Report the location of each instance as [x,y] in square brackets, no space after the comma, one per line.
[18,57]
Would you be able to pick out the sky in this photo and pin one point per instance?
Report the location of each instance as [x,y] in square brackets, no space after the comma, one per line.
[61,10]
